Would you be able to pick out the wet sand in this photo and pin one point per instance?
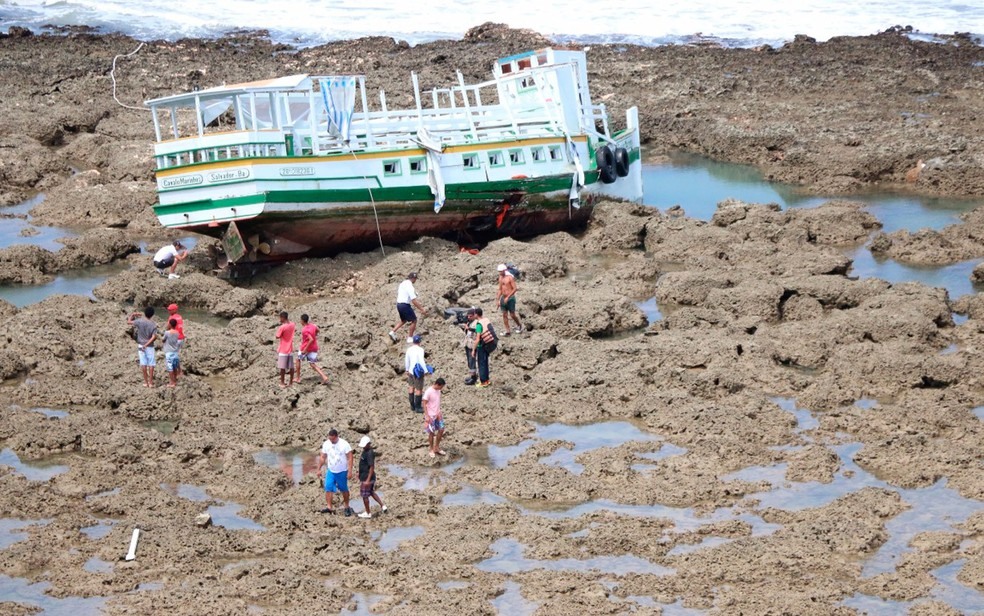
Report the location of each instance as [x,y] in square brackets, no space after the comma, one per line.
[783,439]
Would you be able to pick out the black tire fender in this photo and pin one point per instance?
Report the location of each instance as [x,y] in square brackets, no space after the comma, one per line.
[621,162]
[606,164]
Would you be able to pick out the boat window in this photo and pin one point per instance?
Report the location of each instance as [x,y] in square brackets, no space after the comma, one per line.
[418,165]
[391,167]
[516,157]
[469,161]
[538,154]
[556,153]
[506,67]
[496,159]
[541,60]
[525,63]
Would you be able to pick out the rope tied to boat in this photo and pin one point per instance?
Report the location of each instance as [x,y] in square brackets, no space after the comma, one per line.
[112,76]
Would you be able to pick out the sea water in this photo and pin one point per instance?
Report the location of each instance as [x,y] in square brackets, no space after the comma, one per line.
[740,23]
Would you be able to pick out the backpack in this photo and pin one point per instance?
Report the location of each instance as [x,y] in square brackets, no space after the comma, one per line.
[489,339]
[419,371]
[514,271]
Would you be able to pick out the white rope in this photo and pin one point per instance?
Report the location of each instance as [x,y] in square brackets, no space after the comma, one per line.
[112,75]
[372,200]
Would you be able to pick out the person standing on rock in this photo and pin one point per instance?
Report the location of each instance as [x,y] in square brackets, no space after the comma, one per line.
[367,477]
[336,455]
[172,344]
[416,367]
[168,257]
[285,349]
[309,349]
[172,312]
[506,298]
[471,339]
[145,331]
[487,342]
[433,418]
[406,299]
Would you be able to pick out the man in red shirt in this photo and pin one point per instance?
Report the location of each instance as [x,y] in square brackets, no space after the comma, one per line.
[285,349]
[309,349]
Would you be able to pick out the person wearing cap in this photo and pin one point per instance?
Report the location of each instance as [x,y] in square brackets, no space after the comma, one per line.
[406,300]
[433,418]
[336,455]
[414,364]
[172,313]
[506,298]
[367,477]
[309,349]
[168,257]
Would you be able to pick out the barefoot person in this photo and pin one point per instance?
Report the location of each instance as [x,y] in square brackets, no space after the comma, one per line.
[416,368]
[507,298]
[367,477]
[433,418]
[172,344]
[336,454]
[406,299]
[285,349]
[309,349]
[172,313]
[145,331]
[168,257]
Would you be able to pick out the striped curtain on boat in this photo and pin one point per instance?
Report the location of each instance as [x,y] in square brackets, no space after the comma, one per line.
[338,94]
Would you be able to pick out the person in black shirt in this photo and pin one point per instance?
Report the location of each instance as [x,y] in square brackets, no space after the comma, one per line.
[367,477]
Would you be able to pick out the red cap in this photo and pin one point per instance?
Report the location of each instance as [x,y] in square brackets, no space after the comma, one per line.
[172,308]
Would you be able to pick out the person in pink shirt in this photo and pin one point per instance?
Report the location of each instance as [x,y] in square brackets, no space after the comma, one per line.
[433,418]
[285,349]
[309,349]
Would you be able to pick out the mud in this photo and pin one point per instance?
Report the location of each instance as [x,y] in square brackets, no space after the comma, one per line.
[757,304]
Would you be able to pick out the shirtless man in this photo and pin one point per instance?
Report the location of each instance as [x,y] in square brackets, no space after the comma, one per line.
[507,298]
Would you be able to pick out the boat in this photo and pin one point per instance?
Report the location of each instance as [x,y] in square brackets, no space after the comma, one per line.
[303,165]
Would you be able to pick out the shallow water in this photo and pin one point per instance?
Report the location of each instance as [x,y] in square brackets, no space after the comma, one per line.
[21,591]
[805,421]
[954,278]
[50,413]
[35,470]
[697,184]
[650,309]
[97,565]
[948,589]
[12,531]
[98,530]
[164,426]
[295,462]
[10,228]
[586,438]
[393,537]
[227,516]
[73,282]
[509,558]
[512,602]
[420,478]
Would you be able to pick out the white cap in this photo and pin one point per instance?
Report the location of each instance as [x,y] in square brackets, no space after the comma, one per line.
[365,440]
[501,267]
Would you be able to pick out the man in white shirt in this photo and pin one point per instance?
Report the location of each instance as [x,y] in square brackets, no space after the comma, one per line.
[168,257]
[336,454]
[406,299]
[414,363]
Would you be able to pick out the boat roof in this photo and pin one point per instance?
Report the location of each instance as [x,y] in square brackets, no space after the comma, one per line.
[301,81]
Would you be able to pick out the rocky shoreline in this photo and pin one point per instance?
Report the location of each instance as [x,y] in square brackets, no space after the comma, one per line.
[771,372]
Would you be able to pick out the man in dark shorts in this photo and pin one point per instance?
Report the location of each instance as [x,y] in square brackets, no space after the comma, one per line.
[367,477]
[406,299]
[168,257]
[506,297]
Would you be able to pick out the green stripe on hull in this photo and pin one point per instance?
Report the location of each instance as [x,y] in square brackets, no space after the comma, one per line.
[479,191]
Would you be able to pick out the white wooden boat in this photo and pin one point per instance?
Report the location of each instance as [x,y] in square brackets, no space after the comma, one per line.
[304,166]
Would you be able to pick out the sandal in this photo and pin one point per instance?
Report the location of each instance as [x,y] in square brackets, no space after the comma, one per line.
[328,510]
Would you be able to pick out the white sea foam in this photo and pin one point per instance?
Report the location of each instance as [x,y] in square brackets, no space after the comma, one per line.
[310,22]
